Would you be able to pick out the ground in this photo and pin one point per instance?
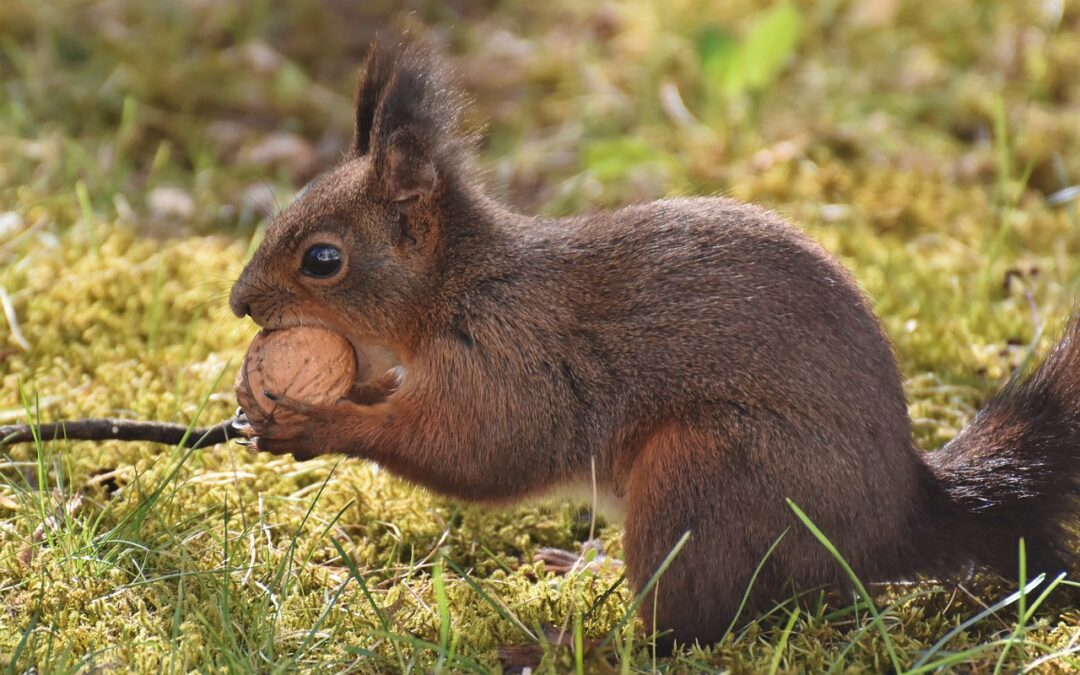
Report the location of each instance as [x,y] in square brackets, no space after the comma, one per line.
[933,145]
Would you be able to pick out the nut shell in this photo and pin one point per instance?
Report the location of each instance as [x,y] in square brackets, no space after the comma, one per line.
[311,365]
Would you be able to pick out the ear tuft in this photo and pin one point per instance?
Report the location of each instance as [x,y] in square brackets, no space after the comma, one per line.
[371,83]
[407,114]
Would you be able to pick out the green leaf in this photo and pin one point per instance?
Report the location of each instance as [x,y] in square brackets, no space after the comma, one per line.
[768,46]
[610,159]
[718,53]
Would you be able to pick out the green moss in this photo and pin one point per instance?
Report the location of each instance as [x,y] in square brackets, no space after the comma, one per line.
[919,143]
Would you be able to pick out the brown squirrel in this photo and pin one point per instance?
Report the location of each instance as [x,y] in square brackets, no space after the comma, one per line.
[706,357]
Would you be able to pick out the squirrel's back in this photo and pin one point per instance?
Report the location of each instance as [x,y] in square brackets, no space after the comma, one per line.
[696,302]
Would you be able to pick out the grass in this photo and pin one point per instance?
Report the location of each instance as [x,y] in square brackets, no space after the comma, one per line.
[930,144]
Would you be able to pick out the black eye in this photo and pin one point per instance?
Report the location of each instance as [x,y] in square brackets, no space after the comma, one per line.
[321,261]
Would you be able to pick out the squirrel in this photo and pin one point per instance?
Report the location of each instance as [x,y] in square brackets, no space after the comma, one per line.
[701,359]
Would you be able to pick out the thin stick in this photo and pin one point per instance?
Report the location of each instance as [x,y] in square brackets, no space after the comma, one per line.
[105,429]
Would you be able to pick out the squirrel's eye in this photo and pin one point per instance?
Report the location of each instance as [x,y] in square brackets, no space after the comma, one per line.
[321,261]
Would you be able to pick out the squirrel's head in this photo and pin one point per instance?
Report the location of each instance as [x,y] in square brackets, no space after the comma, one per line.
[358,250]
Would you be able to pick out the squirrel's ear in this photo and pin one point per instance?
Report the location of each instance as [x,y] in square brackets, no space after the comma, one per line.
[370,85]
[407,114]
[408,168]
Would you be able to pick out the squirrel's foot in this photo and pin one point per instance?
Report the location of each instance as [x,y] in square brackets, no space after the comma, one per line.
[527,657]
[590,558]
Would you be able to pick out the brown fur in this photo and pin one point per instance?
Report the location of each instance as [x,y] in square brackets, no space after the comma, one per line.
[707,356]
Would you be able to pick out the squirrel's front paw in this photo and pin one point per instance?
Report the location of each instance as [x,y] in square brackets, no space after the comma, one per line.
[301,429]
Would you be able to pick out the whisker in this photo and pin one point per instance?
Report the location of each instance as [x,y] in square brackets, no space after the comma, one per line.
[273,196]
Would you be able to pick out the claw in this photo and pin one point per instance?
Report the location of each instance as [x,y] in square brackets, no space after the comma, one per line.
[241,425]
[290,403]
[244,442]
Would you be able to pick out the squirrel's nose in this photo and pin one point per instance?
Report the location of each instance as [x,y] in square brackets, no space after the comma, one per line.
[239,301]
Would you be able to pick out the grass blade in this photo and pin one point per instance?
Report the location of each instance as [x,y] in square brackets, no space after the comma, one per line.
[384,620]
[444,612]
[644,592]
[996,607]
[498,606]
[870,605]
[750,585]
[782,644]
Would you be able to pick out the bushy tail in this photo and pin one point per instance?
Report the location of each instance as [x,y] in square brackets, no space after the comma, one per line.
[1014,472]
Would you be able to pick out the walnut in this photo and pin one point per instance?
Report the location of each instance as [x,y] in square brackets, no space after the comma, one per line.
[311,365]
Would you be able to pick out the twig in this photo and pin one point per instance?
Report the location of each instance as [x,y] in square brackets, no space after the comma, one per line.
[105,429]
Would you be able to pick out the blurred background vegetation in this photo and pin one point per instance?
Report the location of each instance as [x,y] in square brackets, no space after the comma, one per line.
[934,145]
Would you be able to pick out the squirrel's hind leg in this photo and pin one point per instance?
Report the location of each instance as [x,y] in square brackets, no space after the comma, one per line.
[691,480]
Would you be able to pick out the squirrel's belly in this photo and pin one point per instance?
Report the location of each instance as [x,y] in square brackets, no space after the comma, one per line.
[602,499]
